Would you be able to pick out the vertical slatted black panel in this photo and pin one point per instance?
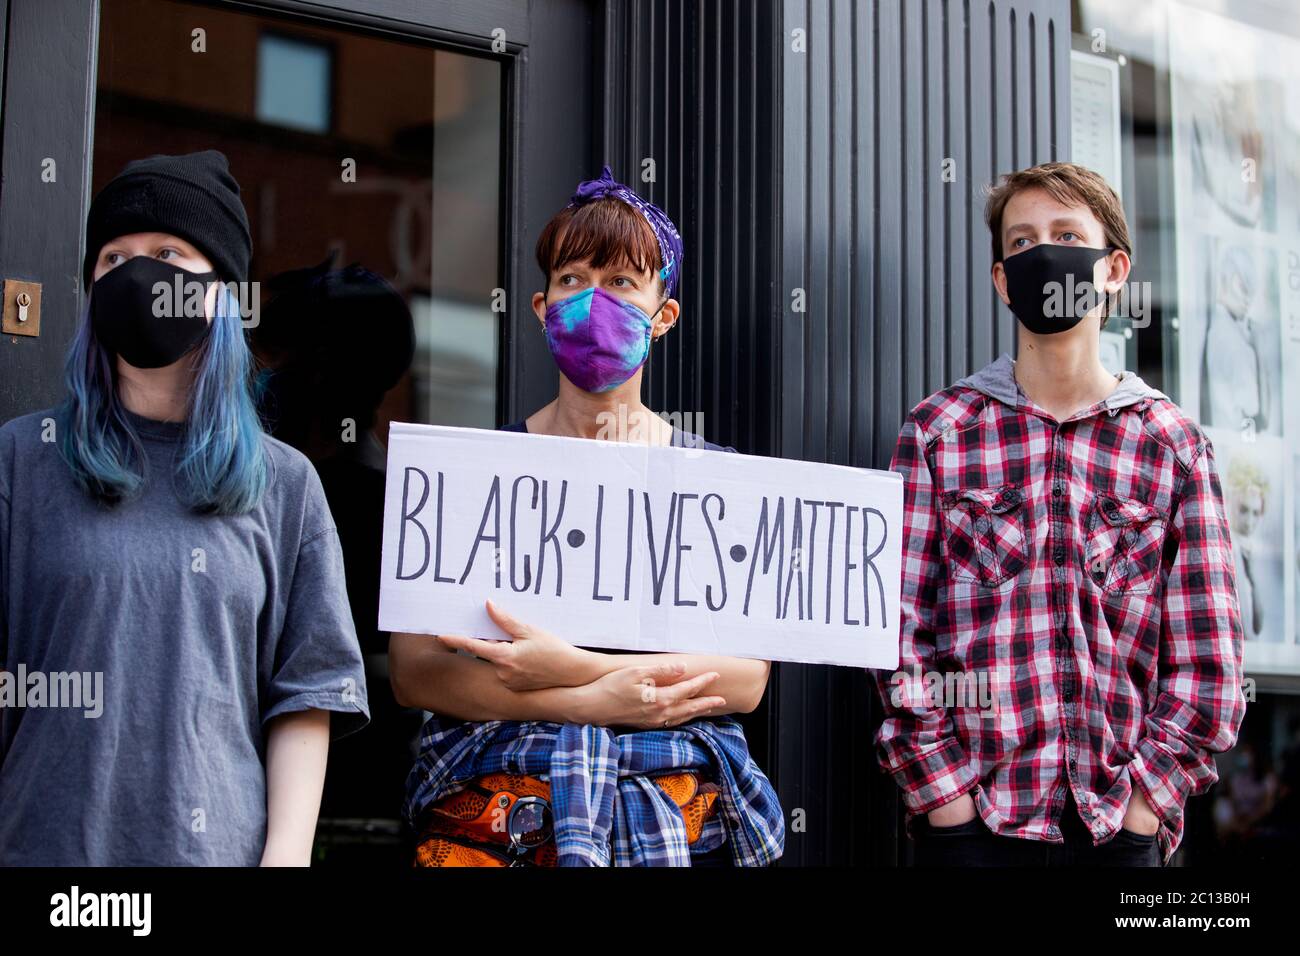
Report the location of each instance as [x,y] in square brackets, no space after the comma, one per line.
[818,176]
[690,85]
[4,21]
[954,141]
[934,281]
[894,263]
[693,86]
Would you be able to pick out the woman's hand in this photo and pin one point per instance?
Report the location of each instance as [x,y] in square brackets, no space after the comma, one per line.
[647,697]
[534,659]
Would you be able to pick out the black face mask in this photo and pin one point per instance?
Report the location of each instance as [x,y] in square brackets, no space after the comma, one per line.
[122,312]
[1050,286]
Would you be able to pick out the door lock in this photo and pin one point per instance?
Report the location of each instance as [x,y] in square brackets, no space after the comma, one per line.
[22,308]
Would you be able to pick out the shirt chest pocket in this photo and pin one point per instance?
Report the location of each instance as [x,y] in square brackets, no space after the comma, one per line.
[1123,541]
[985,533]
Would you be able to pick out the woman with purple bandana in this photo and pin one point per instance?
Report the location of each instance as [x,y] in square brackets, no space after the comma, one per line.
[540,752]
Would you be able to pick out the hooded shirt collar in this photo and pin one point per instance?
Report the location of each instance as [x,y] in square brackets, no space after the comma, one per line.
[997,380]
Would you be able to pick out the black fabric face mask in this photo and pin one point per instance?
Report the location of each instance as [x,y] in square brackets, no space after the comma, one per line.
[122,312]
[1050,286]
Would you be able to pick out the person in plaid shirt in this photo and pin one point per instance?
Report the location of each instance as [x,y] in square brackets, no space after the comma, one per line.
[1066,552]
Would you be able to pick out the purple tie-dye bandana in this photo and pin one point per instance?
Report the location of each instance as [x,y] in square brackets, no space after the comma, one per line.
[598,340]
[666,234]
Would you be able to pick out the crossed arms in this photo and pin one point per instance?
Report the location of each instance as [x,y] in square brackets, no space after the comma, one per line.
[539,676]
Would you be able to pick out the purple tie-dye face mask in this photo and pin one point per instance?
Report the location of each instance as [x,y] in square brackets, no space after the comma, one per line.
[598,340]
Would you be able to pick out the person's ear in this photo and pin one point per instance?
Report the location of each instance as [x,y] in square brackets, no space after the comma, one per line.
[1118,265]
[667,317]
[1000,283]
[539,307]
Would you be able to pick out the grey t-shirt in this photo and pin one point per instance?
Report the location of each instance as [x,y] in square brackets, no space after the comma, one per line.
[201,629]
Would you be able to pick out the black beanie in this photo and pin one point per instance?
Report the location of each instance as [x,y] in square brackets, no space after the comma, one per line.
[192,196]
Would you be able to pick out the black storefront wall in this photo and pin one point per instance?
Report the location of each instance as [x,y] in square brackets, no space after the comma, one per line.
[822,170]
[815,172]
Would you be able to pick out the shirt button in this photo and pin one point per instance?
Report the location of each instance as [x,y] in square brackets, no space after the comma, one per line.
[1056,491]
[1074,765]
[1059,556]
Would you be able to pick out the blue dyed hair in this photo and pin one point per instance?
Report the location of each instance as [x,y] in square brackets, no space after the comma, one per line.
[222,459]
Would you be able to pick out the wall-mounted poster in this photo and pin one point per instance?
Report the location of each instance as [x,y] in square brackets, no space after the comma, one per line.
[1094,116]
[1235,98]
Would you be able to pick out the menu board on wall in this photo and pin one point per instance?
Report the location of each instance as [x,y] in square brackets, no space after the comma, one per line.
[1235,97]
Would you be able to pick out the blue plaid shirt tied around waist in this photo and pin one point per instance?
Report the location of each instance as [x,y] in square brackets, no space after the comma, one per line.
[606,808]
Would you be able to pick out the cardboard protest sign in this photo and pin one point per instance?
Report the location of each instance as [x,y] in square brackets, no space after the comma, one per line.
[618,545]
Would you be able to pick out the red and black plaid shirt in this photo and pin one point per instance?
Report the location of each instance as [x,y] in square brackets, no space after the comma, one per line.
[1083,571]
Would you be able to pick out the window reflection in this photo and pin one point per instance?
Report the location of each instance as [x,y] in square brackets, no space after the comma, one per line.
[293,83]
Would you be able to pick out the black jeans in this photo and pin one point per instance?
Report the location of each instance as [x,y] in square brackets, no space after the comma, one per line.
[974,844]
[718,856]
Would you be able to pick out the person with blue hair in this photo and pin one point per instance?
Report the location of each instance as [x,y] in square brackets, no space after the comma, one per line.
[174,622]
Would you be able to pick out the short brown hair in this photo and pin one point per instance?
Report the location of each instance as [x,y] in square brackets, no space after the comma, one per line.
[1069,184]
[606,232]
